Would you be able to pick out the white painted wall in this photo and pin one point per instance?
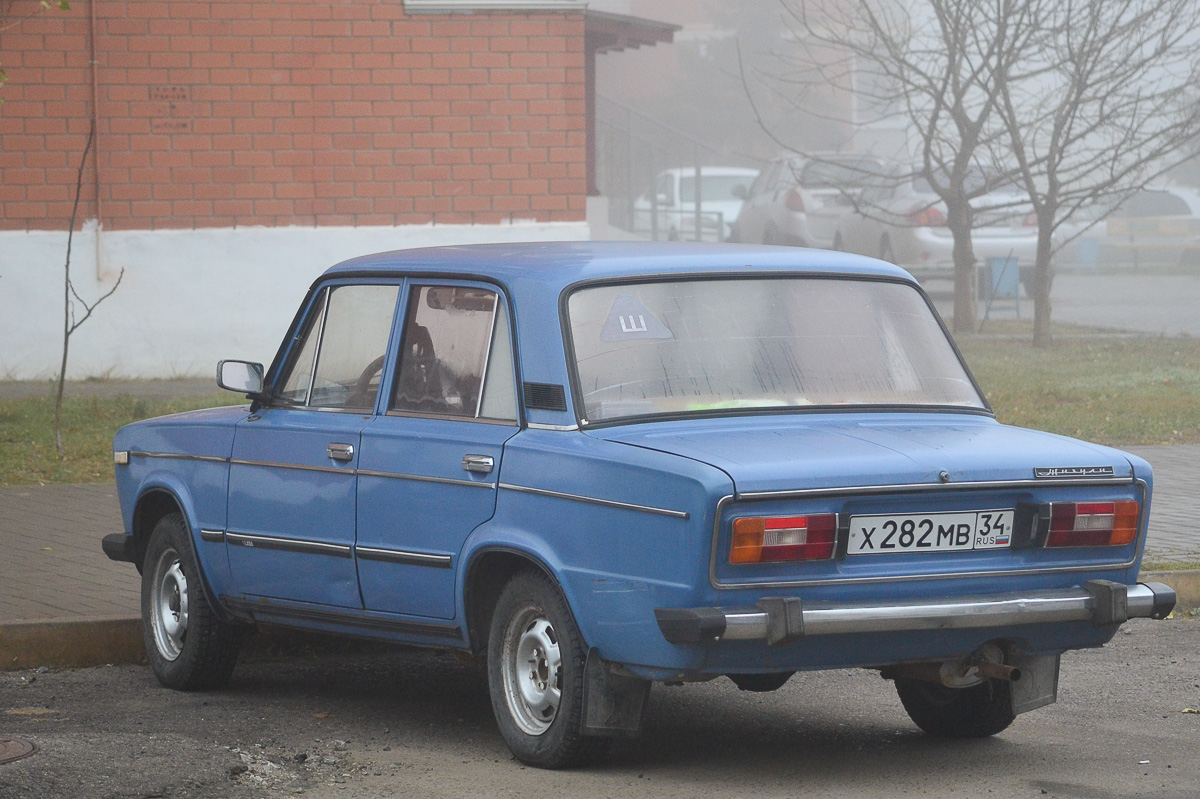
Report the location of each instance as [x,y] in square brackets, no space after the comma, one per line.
[188,297]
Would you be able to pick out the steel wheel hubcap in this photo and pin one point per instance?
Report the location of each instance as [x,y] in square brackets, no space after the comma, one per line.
[169,605]
[532,670]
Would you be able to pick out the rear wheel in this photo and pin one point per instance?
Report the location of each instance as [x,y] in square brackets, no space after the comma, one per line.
[536,661]
[188,647]
[975,712]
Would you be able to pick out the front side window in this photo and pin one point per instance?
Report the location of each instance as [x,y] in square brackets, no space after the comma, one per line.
[455,356]
[703,346]
[344,344]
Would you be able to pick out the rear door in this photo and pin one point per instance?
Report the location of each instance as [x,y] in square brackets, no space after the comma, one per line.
[428,469]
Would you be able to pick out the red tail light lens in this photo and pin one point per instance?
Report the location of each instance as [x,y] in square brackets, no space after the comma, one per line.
[927,217]
[794,201]
[1092,524]
[758,539]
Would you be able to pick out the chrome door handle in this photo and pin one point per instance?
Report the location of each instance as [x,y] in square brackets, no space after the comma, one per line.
[480,464]
[341,452]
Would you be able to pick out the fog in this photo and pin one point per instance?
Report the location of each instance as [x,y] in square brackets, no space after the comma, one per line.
[741,84]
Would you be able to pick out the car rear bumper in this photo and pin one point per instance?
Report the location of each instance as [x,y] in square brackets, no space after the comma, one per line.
[784,620]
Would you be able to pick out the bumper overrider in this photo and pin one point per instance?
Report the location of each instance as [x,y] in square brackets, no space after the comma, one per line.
[785,620]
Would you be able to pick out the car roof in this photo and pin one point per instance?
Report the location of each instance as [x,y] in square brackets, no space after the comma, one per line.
[556,265]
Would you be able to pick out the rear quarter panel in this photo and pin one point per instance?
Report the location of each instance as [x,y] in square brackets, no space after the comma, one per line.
[614,564]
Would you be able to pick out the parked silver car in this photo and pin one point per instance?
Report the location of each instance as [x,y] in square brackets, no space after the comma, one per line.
[799,200]
[903,221]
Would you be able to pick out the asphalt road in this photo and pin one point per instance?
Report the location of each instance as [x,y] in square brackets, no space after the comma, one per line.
[417,724]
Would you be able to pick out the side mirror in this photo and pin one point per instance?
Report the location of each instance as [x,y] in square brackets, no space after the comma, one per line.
[740,191]
[241,376]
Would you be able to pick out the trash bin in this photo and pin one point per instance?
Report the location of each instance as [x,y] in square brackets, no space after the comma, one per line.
[999,279]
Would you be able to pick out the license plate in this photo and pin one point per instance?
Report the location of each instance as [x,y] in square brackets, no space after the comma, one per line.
[930,532]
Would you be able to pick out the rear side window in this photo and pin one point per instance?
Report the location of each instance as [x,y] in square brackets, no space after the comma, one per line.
[455,356]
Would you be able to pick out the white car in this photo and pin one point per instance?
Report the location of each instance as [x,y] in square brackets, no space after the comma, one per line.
[798,201]
[904,222]
[671,213]
[1158,227]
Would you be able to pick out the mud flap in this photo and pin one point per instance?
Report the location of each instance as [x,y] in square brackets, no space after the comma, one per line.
[1038,685]
[613,703]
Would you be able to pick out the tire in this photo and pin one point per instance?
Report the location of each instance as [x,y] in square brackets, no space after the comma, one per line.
[837,242]
[885,250]
[188,647]
[975,712]
[771,236]
[535,668]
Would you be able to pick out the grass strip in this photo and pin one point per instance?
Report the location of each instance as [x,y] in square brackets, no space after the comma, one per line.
[27,455]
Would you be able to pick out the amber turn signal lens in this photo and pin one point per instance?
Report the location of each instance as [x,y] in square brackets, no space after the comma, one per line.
[758,539]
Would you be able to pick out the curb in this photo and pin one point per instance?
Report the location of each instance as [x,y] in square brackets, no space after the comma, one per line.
[1186,583]
[78,643]
[70,643]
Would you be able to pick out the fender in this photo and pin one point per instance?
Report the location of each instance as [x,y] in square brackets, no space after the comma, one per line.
[207,561]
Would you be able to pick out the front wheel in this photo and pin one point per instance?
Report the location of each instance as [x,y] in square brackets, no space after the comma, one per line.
[975,712]
[188,647]
[536,662]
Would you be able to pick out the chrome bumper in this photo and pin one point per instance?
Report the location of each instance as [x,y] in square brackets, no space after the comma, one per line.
[783,620]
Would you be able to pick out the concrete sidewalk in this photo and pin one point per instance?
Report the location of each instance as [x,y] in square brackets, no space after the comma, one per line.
[54,577]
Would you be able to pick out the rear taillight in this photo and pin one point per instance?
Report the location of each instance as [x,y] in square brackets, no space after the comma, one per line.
[794,201]
[927,217]
[1030,220]
[1092,524]
[759,539]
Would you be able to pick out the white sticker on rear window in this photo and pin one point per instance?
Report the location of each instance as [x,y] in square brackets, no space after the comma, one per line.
[629,320]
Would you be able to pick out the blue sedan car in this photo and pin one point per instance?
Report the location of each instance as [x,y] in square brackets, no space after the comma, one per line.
[600,466]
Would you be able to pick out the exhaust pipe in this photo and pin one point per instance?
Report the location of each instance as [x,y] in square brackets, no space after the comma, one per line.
[957,673]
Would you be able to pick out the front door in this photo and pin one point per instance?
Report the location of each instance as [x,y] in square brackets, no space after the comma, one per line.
[293,475]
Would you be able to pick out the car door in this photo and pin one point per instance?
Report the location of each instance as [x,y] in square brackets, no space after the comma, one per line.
[292,477]
[428,467]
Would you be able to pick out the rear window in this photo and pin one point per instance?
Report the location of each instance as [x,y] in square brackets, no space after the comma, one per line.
[704,346]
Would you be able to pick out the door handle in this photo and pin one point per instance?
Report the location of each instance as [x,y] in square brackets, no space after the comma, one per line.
[480,464]
[341,452]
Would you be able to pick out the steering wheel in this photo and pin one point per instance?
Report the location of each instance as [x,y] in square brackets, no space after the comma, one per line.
[363,390]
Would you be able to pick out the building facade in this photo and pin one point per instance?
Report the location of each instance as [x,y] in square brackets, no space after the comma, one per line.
[240,148]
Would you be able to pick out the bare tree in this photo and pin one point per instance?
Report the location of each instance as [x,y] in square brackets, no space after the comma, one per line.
[929,65]
[1113,106]
[70,296]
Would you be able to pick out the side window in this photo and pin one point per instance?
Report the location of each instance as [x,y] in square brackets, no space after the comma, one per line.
[456,355]
[341,357]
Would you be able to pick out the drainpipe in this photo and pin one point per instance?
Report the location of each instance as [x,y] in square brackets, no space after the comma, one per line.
[96,136]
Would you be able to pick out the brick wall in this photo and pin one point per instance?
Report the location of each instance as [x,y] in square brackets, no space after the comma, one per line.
[215,113]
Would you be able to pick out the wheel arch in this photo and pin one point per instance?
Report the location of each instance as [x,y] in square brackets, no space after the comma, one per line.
[488,571]
[152,505]
[155,502]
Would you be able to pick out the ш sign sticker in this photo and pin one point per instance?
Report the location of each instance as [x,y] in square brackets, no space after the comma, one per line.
[629,320]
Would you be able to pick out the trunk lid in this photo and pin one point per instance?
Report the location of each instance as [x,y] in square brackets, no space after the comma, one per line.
[796,452]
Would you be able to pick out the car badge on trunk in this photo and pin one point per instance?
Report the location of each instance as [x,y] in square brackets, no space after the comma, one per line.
[1073,471]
